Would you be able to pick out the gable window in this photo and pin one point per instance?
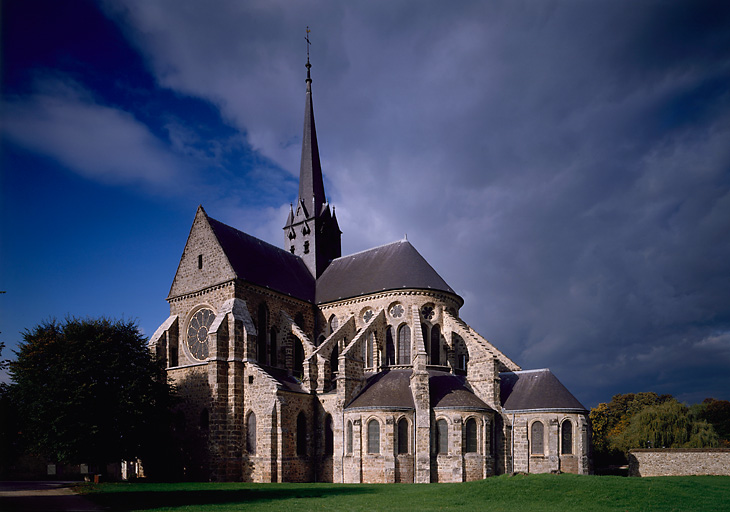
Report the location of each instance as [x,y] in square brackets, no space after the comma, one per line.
[200,261]
[302,435]
[403,435]
[537,442]
[251,434]
[334,365]
[389,346]
[442,436]
[369,355]
[261,329]
[272,347]
[404,345]
[471,435]
[349,437]
[435,345]
[373,436]
[298,358]
[566,438]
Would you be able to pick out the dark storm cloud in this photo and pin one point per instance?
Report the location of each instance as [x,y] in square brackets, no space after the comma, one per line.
[563,165]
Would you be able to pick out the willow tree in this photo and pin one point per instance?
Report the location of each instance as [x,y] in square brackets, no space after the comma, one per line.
[666,425]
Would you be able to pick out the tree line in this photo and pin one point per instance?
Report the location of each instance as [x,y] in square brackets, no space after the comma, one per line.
[648,420]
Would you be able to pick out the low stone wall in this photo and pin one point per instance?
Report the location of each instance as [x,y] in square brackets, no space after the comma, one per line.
[679,462]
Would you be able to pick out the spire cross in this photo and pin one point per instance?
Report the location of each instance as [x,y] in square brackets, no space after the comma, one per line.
[308,42]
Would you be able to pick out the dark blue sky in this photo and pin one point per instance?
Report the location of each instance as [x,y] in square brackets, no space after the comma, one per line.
[565,166]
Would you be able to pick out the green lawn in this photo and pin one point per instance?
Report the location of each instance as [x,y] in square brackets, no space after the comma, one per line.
[503,493]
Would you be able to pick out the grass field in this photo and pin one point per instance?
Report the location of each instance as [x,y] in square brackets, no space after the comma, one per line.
[503,493]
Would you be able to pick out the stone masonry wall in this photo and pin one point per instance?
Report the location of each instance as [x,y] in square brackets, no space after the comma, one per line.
[679,462]
[551,459]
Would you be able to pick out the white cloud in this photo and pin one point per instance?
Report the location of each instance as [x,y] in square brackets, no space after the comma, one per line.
[62,121]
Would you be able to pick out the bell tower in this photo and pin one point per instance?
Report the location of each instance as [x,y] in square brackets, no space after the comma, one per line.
[311,231]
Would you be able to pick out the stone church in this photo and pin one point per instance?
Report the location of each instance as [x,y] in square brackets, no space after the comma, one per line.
[298,364]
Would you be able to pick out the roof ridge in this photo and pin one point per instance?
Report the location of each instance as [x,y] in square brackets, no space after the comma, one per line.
[372,249]
[534,370]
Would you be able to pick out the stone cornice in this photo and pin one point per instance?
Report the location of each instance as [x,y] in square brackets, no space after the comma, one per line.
[202,291]
[439,295]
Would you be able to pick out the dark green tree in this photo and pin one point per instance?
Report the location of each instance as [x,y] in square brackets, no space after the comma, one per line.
[717,414]
[87,391]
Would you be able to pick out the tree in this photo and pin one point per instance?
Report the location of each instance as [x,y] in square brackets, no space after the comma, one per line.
[666,425]
[609,420]
[717,414]
[87,391]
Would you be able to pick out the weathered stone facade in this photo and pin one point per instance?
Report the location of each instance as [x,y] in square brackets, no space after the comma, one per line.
[299,365]
[679,462]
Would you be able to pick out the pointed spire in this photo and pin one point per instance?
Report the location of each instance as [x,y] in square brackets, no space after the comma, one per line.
[311,185]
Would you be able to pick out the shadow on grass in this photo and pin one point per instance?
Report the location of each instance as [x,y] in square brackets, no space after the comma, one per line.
[153,499]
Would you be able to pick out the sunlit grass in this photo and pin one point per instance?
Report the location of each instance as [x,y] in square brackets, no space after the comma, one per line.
[504,493]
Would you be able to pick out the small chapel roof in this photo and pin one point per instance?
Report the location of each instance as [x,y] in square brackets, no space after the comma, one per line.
[391,389]
[393,266]
[449,391]
[263,264]
[528,390]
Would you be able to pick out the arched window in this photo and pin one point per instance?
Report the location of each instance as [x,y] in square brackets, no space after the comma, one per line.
[369,355]
[537,441]
[566,438]
[298,369]
[403,435]
[349,437]
[299,320]
[471,435]
[389,346]
[261,329]
[302,435]
[435,345]
[273,348]
[404,345]
[204,419]
[335,359]
[334,324]
[173,355]
[442,436]
[251,434]
[373,436]
[329,437]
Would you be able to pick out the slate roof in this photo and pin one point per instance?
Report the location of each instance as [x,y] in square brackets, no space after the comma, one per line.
[263,264]
[393,266]
[535,389]
[390,389]
[384,390]
[451,391]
